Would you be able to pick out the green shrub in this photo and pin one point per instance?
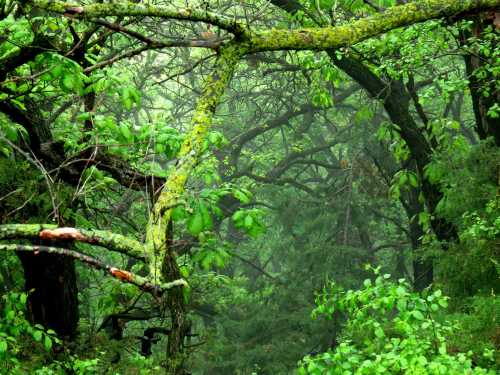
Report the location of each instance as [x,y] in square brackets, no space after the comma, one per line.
[389,330]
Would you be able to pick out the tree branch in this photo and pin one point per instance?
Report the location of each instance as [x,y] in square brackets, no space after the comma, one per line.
[124,8]
[49,232]
[117,273]
[324,38]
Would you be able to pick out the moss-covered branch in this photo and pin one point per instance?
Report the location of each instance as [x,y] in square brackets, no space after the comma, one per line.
[124,8]
[321,38]
[190,152]
[324,38]
[117,273]
[112,241]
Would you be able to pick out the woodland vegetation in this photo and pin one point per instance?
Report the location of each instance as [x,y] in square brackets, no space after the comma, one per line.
[250,187]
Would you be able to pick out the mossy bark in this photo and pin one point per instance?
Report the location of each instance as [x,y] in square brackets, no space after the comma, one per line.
[55,254]
[189,155]
[50,232]
[324,38]
[321,38]
[134,9]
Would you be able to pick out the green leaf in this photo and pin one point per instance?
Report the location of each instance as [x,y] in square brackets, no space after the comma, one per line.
[400,291]
[179,213]
[248,223]
[195,223]
[418,315]
[379,332]
[413,180]
[242,196]
[3,346]
[47,343]
[126,133]
[37,335]
[10,315]
[67,82]
[206,218]
[238,216]
[401,305]
[443,303]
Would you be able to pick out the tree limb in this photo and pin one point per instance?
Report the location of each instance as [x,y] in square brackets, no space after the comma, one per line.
[50,232]
[124,8]
[117,273]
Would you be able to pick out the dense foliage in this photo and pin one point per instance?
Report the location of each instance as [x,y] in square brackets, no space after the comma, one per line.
[218,187]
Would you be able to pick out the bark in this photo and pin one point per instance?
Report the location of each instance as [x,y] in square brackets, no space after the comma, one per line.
[320,38]
[50,232]
[324,38]
[423,267]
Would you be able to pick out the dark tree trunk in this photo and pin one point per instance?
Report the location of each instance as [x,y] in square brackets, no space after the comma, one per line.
[180,325]
[423,268]
[53,302]
[486,126]
[396,100]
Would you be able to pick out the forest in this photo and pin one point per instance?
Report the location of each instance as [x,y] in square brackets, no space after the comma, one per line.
[260,187]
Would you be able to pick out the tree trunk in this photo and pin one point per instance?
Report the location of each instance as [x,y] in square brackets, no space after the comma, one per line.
[486,126]
[53,302]
[423,268]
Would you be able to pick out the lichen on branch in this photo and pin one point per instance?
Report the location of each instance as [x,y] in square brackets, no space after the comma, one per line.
[49,232]
[189,154]
[325,38]
[125,8]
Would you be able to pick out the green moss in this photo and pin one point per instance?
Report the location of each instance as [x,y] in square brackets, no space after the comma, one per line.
[334,37]
[112,241]
[124,8]
[189,154]
[26,231]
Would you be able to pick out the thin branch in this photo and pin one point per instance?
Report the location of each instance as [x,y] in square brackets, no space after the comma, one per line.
[117,273]
[188,70]
[253,265]
[154,43]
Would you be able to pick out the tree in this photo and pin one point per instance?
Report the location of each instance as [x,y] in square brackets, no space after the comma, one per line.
[87,34]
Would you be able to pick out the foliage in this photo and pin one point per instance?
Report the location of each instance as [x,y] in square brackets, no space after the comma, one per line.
[18,339]
[389,329]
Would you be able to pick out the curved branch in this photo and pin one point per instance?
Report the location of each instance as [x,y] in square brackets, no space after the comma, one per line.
[117,273]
